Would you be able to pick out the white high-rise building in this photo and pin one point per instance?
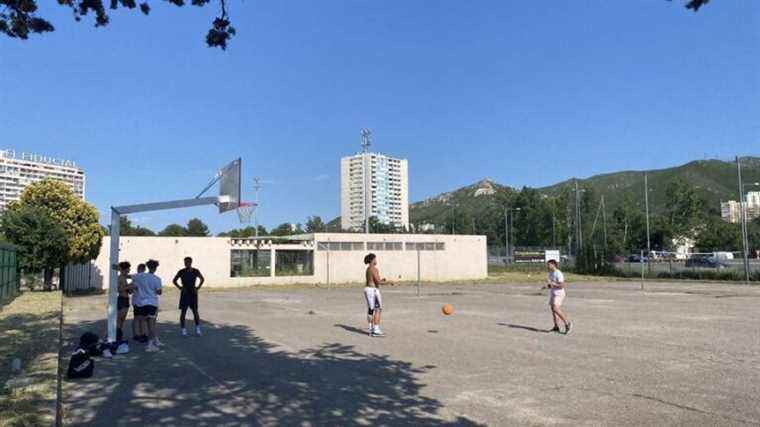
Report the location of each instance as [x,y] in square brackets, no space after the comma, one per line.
[18,171]
[387,180]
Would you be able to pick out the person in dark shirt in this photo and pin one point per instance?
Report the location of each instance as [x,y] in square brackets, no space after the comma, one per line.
[188,297]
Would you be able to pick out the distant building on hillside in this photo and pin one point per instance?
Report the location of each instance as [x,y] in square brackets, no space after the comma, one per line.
[730,211]
[17,171]
[386,180]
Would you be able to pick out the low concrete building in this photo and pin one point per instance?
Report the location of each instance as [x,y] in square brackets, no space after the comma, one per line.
[319,258]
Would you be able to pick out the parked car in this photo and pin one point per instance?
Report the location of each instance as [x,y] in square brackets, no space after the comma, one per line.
[706,262]
[637,258]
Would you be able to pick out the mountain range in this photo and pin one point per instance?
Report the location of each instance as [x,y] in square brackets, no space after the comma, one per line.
[713,180]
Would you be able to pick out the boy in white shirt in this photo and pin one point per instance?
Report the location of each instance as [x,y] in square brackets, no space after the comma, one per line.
[556,286]
[149,288]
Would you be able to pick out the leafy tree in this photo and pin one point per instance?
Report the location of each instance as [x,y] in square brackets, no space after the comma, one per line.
[284,229]
[127,229]
[41,240]
[718,235]
[19,18]
[684,209]
[173,230]
[77,218]
[314,224]
[196,227]
[249,231]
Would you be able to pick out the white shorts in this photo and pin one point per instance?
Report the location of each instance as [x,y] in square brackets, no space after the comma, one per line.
[556,297]
[373,299]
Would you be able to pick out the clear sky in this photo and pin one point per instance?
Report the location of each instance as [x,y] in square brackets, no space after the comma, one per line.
[523,92]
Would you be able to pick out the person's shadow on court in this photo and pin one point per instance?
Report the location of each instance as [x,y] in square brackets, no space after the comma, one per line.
[527,328]
[351,329]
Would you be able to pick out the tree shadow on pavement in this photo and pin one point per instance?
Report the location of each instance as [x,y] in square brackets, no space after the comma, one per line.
[230,376]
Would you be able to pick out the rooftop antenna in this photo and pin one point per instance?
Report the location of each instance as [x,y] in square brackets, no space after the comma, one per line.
[365,134]
[366,141]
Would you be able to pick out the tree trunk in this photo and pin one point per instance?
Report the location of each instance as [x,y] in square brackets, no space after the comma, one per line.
[48,273]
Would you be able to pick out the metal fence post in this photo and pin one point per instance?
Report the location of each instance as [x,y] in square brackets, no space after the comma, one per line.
[641,262]
[418,271]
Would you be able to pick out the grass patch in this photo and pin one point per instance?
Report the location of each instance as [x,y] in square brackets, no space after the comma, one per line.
[29,327]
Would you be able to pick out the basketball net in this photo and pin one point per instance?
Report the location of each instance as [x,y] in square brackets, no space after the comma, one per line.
[245,211]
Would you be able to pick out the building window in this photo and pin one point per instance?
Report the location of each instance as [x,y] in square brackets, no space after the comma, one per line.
[251,263]
[425,246]
[294,263]
[341,246]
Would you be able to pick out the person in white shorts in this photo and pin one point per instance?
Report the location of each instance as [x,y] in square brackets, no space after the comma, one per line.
[372,295]
[556,286]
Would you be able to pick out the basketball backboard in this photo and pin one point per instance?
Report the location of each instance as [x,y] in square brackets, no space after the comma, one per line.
[229,186]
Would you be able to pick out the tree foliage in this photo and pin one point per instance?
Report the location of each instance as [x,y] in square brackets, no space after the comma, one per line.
[173,230]
[196,227]
[314,224]
[127,229]
[20,18]
[41,240]
[78,218]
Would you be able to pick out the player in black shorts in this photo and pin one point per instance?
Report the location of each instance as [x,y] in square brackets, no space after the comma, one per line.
[122,301]
[188,297]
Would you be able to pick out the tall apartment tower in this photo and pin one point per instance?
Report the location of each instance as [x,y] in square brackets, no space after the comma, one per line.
[387,181]
[18,171]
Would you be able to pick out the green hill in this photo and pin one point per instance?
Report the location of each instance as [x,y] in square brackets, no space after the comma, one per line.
[714,181]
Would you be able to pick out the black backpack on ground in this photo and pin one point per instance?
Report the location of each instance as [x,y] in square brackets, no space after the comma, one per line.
[81,365]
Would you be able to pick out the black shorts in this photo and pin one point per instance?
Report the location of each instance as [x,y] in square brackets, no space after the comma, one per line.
[122,303]
[188,300]
[146,310]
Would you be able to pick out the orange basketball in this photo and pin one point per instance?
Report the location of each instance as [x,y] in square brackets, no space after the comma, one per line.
[447,309]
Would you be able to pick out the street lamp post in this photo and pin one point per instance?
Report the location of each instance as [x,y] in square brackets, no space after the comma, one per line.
[509,231]
[743,212]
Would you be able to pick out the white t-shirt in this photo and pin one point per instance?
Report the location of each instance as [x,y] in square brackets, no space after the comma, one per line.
[556,276]
[147,286]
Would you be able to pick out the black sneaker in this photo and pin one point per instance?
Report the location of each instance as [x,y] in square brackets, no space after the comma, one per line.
[554,329]
[568,327]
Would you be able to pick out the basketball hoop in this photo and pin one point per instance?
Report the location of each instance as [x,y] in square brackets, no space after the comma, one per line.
[245,211]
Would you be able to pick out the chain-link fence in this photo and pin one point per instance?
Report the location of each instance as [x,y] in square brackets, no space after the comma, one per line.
[9,275]
[698,266]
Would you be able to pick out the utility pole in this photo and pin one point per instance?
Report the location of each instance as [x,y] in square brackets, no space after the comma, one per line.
[646,203]
[366,142]
[256,189]
[506,236]
[554,229]
[742,208]
[578,227]
[604,225]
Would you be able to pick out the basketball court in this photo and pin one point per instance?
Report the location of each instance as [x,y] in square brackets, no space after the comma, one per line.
[677,353]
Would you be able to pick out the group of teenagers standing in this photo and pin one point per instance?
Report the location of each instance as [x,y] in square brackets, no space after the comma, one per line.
[144,289]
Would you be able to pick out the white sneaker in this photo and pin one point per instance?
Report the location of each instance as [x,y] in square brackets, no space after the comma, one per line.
[198,330]
[123,348]
[151,348]
[107,354]
[157,343]
[184,332]
[378,332]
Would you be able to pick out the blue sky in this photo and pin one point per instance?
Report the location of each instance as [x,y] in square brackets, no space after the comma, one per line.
[526,93]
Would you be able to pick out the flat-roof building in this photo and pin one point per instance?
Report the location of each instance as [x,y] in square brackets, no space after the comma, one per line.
[319,258]
[19,171]
[374,185]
